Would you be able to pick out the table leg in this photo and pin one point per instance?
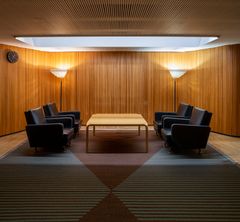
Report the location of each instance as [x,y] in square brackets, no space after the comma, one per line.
[87,139]
[93,130]
[146,139]
[139,128]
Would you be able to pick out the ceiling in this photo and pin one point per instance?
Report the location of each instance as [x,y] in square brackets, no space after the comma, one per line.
[120,18]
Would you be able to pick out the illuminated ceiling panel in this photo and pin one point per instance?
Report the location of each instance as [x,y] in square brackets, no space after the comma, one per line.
[139,43]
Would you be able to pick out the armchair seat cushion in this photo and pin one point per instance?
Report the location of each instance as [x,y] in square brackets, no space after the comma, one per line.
[166,135]
[76,124]
[157,126]
[68,133]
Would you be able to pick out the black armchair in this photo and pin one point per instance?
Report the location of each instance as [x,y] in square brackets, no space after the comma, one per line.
[54,133]
[184,111]
[190,133]
[51,110]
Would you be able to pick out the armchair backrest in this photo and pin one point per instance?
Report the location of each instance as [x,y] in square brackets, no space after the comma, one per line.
[184,109]
[35,116]
[28,117]
[50,109]
[200,117]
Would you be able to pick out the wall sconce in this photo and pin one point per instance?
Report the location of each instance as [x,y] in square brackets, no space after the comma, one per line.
[176,73]
[59,73]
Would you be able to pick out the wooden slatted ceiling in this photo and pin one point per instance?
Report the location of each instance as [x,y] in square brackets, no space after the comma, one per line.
[120,17]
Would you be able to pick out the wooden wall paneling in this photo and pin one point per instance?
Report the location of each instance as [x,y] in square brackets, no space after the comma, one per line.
[238,90]
[150,64]
[227,91]
[185,62]
[213,85]
[69,82]
[24,84]
[13,92]
[3,91]
[115,82]
[41,84]
[226,107]
[99,87]
[162,84]
[31,91]
[235,88]
[218,102]
[122,82]
[82,81]
[137,85]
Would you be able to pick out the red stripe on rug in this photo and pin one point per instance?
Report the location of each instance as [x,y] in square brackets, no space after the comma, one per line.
[108,210]
[115,154]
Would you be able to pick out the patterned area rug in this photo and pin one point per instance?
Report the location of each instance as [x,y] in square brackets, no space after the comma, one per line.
[117,181]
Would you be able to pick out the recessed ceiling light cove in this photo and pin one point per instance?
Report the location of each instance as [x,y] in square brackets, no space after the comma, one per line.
[75,43]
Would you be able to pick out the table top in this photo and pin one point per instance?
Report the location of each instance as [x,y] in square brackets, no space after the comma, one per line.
[117,119]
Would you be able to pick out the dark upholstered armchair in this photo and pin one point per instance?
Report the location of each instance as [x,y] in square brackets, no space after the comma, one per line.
[184,111]
[51,110]
[190,133]
[54,133]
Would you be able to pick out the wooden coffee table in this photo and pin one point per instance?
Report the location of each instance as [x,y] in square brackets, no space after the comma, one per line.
[113,119]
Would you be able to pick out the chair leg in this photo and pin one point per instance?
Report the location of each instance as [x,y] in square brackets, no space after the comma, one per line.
[199,151]
[36,150]
[69,143]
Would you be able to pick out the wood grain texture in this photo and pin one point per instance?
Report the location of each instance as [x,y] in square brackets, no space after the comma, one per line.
[11,142]
[122,82]
[213,84]
[226,145]
[23,85]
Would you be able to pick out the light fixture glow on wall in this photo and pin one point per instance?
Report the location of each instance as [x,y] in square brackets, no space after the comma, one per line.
[60,73]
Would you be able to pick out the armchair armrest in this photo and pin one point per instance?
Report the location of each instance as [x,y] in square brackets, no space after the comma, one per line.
[40,129]
[158,115]
[66,121]
[77,114]
[171,116]
[45,134]
[190,136]
[168,121]
[63,116]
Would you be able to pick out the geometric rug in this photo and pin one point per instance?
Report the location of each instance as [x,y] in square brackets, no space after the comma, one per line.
[117,181]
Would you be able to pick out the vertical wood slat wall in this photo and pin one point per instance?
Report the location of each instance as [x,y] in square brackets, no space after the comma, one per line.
[121,82]
[214,84]
[23,85]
